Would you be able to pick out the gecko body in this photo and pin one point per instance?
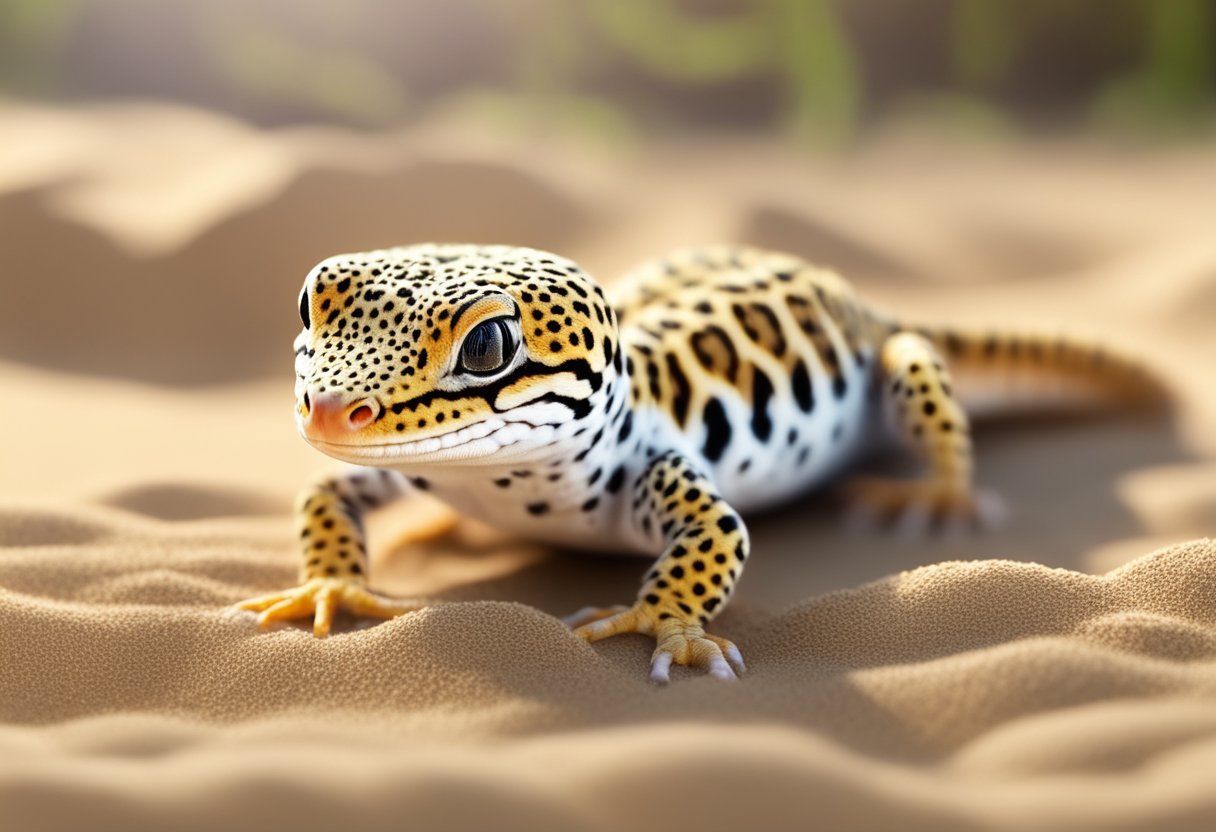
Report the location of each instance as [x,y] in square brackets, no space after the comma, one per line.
[711,383]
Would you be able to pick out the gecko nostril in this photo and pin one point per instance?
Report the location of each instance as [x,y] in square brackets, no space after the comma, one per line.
[361,415]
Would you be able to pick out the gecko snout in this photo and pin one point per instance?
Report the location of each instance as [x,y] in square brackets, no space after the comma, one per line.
[331,417]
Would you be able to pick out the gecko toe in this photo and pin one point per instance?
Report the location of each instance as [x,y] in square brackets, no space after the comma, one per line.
[589,614]
[660,668]
[719,669]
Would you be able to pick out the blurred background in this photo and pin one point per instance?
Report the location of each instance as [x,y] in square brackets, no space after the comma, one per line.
[818,68]
[826,71]
[169,171]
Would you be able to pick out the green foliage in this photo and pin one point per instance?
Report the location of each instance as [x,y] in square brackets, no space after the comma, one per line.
[984,40]
[31,37]
[258,59]
[799,41]
[821,71]
[560,50]
[1173,88]
[680,47]
[1180,51]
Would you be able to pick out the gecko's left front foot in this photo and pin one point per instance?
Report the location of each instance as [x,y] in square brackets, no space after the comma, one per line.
[321,598]
[679,642]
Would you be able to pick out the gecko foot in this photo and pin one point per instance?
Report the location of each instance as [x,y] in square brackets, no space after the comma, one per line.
[679,642]
[914,507]
[321,598]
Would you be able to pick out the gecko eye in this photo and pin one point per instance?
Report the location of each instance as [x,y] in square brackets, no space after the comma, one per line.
[304,308]
[489,347]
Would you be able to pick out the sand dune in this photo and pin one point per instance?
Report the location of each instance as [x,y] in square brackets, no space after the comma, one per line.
[939,693]
[1060,673]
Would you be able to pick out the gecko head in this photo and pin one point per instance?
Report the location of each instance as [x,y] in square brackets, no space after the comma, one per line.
[450,353]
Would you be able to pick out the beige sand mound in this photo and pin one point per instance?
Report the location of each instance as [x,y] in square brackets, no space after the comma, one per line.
[992,674]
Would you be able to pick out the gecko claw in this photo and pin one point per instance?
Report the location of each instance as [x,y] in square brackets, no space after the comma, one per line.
[733,657]
[660,668]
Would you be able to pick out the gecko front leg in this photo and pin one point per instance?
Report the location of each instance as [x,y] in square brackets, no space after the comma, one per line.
[706,545]
[334,566]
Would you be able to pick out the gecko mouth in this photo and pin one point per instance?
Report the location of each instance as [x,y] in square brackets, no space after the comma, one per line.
[472,442]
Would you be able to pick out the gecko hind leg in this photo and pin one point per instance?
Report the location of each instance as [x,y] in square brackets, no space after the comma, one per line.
[920,402]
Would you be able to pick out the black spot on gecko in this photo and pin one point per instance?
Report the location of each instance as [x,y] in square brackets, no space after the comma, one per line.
[803,394]
[718,430]
[839,387]
[616,480]
[762,393]
[627,427]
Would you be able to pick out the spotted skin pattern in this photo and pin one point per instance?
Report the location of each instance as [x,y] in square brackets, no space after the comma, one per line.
[714,382]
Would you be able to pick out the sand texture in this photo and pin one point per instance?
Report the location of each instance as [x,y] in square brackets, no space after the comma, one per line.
[1059,673]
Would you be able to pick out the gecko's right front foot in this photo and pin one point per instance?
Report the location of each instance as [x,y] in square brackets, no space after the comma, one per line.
[320,598]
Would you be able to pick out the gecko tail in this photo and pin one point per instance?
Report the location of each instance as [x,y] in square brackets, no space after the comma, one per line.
[998,373]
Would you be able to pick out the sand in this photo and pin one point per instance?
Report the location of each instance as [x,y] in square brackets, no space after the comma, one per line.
[1057,673]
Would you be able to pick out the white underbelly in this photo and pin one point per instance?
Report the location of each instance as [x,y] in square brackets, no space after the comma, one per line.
[564,522]
[805,451]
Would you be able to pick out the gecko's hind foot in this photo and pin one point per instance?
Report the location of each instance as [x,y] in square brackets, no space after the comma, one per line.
[915,508]
[320,599]
[679,642]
